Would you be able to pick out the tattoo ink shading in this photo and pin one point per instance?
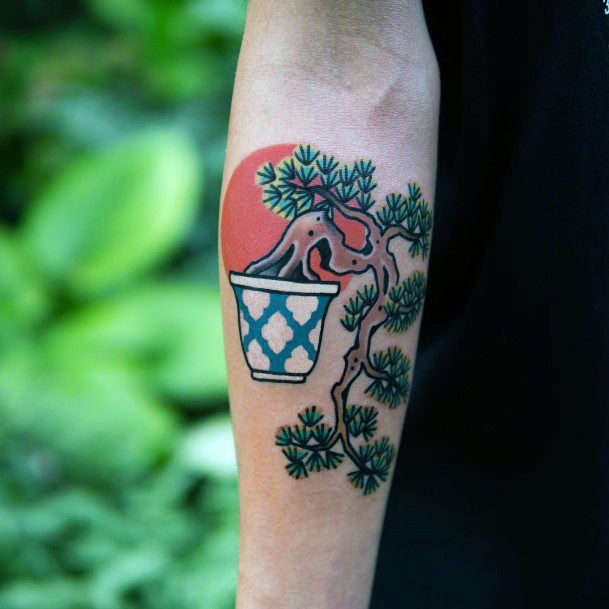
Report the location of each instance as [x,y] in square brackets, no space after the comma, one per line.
[283,297]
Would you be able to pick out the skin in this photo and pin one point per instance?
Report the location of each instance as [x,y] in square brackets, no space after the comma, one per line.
[354,79]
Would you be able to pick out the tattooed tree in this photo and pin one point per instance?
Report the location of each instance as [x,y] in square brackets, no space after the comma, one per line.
[310,189]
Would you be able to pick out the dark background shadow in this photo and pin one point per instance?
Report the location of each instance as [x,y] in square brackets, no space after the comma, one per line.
[501,491]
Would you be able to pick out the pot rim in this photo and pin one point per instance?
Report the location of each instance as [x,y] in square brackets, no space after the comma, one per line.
[271,284]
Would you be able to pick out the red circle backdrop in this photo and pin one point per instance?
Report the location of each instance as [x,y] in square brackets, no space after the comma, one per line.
[249,230]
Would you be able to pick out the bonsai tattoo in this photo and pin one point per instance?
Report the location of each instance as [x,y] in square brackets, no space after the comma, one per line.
[282,303]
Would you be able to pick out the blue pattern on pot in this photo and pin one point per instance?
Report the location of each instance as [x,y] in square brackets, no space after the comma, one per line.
[281,324]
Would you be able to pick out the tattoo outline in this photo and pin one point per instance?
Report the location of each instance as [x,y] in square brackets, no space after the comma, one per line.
[282,303]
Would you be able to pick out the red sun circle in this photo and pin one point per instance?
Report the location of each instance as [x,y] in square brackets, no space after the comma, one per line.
[249,230]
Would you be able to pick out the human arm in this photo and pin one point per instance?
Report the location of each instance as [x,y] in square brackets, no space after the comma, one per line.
[358,82]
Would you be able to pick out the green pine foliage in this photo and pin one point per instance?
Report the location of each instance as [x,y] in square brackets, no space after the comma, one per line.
[310,416]
[412,213]
[306,154]
[296,466]
[361,421]
[404,302]
[307,446]
[309,179]
[393,389]
[266,174]
[358,306]
[376,458]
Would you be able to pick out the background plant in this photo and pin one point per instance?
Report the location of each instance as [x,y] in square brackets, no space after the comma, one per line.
[118,487]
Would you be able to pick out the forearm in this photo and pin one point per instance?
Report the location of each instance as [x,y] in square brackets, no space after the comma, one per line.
[355,80]
[344,70]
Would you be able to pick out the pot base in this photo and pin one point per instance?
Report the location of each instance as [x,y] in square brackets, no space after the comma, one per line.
[278,378]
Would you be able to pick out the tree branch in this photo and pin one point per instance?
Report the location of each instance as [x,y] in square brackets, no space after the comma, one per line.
[306,233]
[400,231]
[351,213]
[359,215]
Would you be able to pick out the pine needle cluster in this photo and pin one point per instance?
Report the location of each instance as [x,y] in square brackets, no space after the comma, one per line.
[358,306]
[376,458]
[404,302]
[306,445]
[393,387]
[361,421]
[308,179]
[410,212]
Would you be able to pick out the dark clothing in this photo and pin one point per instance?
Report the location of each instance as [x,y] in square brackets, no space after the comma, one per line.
[501,492]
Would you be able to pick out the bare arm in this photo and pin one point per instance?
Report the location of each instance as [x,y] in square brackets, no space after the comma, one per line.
[326,226]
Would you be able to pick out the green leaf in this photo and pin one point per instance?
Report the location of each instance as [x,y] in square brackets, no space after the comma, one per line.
[23,301]
[349,322]
[96,418]
[49,593]
[116,213]
[134,14]
[352,412]
[209,448]
[375,464]
[171,331]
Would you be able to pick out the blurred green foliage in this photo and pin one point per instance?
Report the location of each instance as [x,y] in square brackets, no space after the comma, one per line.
[118,488]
